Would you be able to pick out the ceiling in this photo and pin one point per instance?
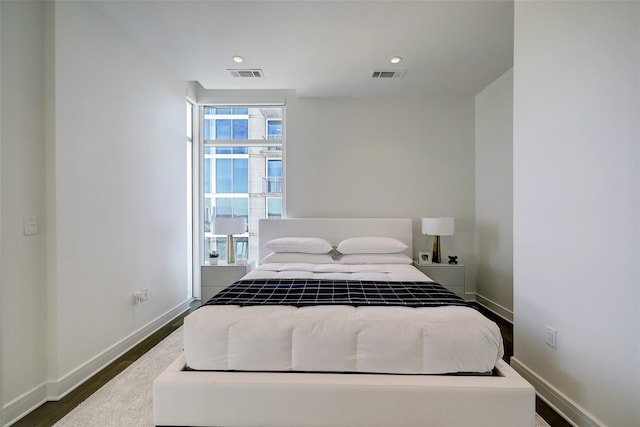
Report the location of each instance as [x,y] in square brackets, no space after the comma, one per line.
[325,48]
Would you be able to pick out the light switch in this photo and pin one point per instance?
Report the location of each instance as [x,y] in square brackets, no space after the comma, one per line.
[30,225]
[552,337]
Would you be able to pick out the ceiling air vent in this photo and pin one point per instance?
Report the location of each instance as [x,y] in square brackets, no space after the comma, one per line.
[387,74]
[247,73]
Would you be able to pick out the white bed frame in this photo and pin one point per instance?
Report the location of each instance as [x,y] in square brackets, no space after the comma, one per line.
[203,398]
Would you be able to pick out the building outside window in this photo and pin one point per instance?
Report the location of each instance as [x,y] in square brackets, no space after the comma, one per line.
[274,129]
[242,172]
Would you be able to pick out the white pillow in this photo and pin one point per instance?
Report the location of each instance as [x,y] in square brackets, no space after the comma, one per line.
[306,245]
[375,259]
[298,257]
[371,245]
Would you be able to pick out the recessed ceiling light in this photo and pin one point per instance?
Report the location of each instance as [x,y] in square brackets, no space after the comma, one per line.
[238,59]
[396,59]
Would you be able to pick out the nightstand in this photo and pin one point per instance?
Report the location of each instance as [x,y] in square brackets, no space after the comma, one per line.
[451,276]
[214,278]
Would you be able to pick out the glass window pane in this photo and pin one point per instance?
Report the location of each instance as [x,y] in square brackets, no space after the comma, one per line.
[208,128]
[221,111]
[207,175]
[240,129]
[274,129]
[274,208]
[274,174]
[242,247]
[274,168]
[240,150]
[223,129]
[223,176]
[241,209]
[240,111]
[224,207]
[240,175]
[208,245]
[209,213]
[221,247]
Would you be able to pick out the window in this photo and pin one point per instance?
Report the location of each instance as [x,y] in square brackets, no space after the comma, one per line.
[274,129]
[242,172]
[274,176]
[274,207]
[226,123]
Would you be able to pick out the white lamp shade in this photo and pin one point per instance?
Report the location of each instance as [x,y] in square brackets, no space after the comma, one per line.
[438,226]
[227,226]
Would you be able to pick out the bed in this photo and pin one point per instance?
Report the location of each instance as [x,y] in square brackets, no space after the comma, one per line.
[372,364]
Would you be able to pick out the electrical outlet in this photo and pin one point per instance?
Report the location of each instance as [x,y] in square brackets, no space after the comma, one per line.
[140,296]
[552,337]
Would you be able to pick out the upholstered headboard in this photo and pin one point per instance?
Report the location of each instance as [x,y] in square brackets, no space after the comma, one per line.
[335,230]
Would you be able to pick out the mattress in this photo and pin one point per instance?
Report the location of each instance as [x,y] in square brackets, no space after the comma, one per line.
[341,338]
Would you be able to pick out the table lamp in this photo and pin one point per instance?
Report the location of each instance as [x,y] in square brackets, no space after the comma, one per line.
[437,227]
[229,226]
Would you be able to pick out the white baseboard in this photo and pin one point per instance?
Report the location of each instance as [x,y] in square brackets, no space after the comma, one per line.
[498,309]
[56,390]
[561,403]
[23,404]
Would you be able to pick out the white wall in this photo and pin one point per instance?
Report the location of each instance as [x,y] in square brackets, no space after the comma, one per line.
[1,287]
[577,205]
[22,177]
[120,185]
[384,157]
[97,152]
[494,195]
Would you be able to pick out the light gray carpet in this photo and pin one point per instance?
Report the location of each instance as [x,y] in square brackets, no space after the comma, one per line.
[127,401]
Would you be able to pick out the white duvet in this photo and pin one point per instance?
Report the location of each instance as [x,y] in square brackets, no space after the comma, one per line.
[391,272]
[398,340]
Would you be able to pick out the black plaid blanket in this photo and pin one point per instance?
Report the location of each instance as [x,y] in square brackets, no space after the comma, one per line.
[307,292]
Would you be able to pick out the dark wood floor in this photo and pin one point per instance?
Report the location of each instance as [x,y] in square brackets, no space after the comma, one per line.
[51,412]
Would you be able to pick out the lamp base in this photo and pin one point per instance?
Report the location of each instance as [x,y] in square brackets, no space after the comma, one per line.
[231,252]
[435,257]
